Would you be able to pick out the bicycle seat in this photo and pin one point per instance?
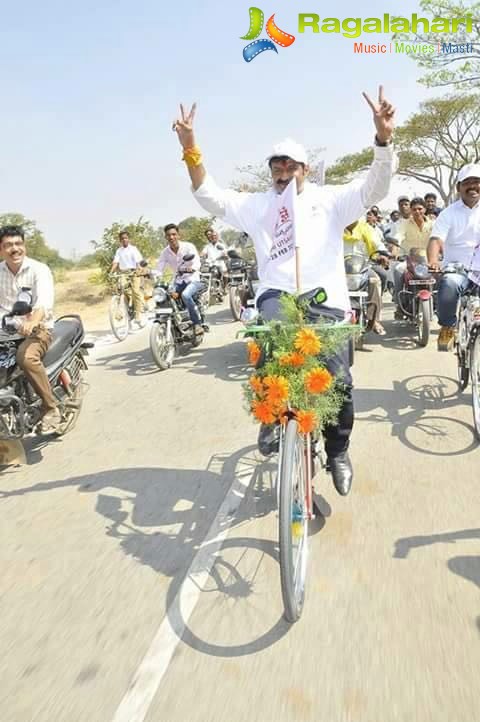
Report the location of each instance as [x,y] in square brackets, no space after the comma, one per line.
[67,332]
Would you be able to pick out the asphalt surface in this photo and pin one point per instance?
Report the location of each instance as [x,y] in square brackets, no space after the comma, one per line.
[139,574]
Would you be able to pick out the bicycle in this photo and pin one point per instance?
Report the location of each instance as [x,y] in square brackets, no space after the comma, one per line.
[467,340]
[121,311]
[298,455]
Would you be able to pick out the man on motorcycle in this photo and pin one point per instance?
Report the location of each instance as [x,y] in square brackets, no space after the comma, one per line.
[127,259]
[18,272]
[187,273]
[214,253]
[455,234]
[359,238]
[323,213]
[412,232]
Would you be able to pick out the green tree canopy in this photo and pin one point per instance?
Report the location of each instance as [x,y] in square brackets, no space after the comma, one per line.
[193,229]
[448,68]
[36,245]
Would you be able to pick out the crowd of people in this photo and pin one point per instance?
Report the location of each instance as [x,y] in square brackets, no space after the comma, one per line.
[323,217]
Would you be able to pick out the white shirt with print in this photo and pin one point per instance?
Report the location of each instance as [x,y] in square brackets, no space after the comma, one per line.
[321,214]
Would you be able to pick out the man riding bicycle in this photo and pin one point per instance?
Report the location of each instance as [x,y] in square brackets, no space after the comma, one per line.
[455,234]
[322,213]
[126,260]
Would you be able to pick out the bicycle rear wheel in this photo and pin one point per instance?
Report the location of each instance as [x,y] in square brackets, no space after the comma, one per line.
[293,522]
[475,374]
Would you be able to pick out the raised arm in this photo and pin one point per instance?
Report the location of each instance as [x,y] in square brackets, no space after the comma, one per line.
[353,198]
[192,154]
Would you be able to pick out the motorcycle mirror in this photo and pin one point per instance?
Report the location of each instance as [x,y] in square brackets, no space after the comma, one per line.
[188,257]
[21,308]
[143,264]
[233,254]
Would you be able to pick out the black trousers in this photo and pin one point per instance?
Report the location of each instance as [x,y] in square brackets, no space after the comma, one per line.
[337,438]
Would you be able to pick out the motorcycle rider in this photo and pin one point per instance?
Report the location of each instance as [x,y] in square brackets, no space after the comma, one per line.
[455,234]
[413,232]
[187,273]
[128,258]
[214,253]
[323,214]
[17,272]
[359,238]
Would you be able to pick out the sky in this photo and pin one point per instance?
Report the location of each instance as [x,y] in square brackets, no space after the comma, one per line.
[90,91]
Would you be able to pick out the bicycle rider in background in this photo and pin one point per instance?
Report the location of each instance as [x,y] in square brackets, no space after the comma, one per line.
[127,259]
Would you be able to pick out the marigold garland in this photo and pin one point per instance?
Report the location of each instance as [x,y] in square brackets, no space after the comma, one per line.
[318,380]
[307,421]
[292,379]
[254,353]
[307,342]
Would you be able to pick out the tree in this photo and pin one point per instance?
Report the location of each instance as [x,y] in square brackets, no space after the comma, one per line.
[193,229]
[260,179]
[432,145]
[149,241]
[37,247]
[455,68]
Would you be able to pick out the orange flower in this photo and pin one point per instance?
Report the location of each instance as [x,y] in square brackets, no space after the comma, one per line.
[307,420]
[254,353]
[264,412]
[318,380]
[257,385]
[294,359]
[277,389]
[307,342]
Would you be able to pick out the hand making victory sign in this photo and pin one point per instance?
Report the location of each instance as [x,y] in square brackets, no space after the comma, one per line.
[383,116]
[184,127]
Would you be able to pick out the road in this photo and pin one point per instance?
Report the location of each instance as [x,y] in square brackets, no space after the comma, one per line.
[112,550]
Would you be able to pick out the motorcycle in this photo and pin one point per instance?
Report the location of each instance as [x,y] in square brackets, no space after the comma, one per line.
[241,283]
[65,363]
[172,325]
[416,298]
[211,276]
[357,271]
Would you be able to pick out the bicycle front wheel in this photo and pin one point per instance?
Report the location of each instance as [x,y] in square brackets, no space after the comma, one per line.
[293,521]
[119,317]
[475,375]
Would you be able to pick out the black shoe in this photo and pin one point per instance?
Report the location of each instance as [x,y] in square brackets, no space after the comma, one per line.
[341,470]
[398,315]
[268,439]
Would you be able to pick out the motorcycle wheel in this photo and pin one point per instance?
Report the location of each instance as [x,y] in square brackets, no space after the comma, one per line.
[71,411]
[475,374]
[235,302]
[119,317]
[162,346]
[423,322]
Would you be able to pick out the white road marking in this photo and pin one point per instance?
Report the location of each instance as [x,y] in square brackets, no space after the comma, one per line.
[146,681]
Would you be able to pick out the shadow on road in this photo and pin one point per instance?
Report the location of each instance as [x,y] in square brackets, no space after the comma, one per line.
[408,408]
[467,567]
[161,517]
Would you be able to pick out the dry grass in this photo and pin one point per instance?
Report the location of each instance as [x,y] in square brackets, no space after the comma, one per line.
[76,294]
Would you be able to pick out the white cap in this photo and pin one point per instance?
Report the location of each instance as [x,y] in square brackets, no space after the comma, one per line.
[472,170]
[291,149]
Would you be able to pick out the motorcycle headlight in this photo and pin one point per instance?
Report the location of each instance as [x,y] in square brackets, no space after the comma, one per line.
[160,295]
[421,270]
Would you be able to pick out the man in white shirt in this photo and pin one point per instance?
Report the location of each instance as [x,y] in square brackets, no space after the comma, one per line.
[17,272]
[455,234]
[127,259]
[321,214]
[214,253]
[187,273]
